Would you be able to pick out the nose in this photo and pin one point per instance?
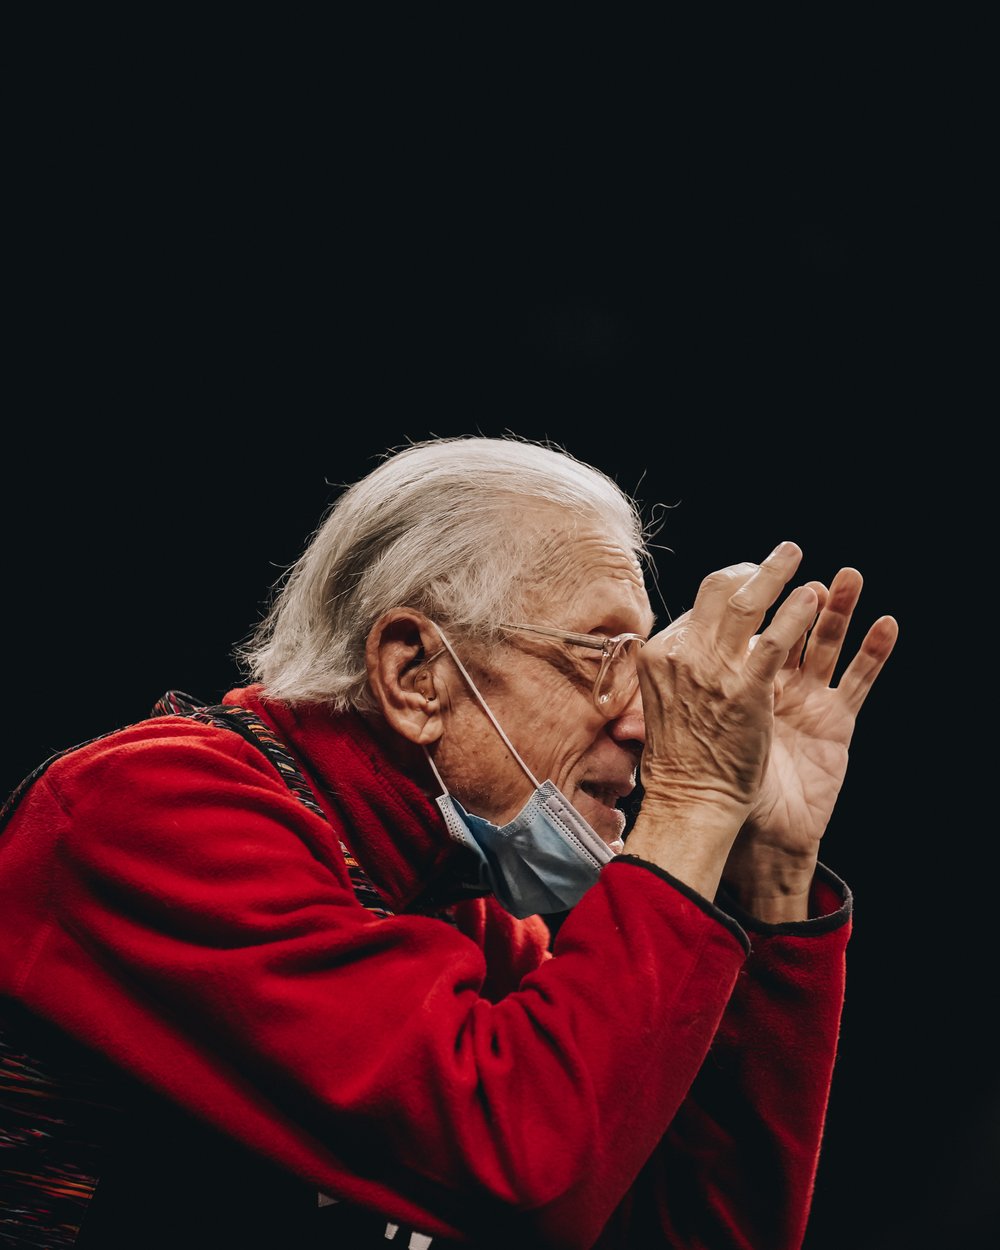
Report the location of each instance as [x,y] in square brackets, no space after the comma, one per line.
[629,725]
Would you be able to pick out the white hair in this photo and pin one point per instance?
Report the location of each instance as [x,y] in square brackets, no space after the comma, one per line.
[438,526]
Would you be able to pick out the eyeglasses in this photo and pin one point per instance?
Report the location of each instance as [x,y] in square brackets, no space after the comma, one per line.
[617,678]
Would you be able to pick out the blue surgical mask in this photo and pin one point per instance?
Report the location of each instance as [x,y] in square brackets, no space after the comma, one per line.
[543,860]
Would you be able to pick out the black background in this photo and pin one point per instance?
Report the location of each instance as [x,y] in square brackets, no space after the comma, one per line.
[242,283]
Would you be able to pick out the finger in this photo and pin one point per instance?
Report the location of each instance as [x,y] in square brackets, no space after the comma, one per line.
[796,651]
[766,658]
[860,674]
[827,637]
[747,606]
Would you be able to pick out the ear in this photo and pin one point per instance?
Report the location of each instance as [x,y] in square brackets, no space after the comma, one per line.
[408,694]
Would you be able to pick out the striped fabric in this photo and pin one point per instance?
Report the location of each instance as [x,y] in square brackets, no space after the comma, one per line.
[48,1149]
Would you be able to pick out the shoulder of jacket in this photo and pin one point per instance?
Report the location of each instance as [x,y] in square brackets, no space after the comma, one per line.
[165,746]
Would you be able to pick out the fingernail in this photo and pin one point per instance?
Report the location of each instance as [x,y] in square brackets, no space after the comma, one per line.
[782,549]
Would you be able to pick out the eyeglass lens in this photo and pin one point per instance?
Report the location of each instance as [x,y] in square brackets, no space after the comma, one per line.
[618,678]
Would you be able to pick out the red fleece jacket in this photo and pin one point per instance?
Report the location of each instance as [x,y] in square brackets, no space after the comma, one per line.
[659,1079]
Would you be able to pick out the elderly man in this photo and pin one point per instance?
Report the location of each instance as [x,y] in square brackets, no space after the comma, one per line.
[275,972]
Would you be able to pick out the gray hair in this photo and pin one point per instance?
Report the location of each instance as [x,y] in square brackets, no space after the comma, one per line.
[438,526]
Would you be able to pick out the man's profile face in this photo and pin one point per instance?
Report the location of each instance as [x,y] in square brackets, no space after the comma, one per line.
[540,691]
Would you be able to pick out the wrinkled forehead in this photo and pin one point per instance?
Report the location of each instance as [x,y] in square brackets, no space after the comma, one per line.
[580,564]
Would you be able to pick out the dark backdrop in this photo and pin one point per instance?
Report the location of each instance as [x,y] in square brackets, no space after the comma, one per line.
[227,315]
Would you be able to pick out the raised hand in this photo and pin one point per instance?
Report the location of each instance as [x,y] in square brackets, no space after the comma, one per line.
[708,706]
[771,864]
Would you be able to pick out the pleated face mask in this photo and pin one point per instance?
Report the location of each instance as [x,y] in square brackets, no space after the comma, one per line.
[545,859]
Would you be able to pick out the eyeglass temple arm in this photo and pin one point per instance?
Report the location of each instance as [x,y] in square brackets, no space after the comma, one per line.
[564,635]
[583,640]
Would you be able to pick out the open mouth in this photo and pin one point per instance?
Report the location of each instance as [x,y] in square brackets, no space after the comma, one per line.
[607,795]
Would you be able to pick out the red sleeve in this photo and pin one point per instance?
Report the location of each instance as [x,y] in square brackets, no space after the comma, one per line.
[738,1164]
[178,910]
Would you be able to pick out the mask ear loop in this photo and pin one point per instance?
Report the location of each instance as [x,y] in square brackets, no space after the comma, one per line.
[434,769]
[483,704]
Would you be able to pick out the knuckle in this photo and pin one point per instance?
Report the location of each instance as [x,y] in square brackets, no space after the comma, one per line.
[767,647]
[724,577]
[742,605]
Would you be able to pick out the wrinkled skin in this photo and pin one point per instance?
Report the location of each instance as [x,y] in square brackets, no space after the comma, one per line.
[745,733]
